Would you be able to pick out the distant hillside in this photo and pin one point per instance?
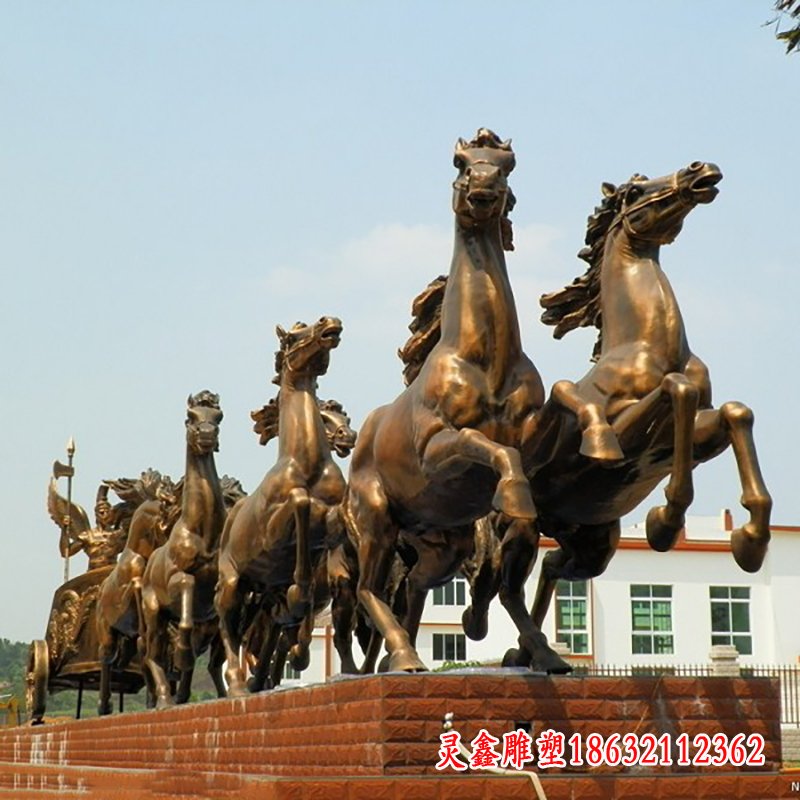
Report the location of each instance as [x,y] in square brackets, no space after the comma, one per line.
[13,665]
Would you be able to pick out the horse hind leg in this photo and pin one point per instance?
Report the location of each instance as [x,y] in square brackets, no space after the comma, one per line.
[518,554]
[483,575]
[664,523]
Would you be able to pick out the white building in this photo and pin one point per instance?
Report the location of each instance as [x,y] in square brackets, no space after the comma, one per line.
[648,608]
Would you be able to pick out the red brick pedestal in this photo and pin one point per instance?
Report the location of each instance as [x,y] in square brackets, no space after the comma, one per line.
[378,737]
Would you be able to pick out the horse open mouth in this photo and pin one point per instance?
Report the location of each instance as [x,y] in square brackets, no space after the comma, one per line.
[331,334]
[482,202]
[704,189]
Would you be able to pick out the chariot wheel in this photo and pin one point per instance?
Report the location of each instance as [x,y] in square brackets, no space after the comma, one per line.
[36,678]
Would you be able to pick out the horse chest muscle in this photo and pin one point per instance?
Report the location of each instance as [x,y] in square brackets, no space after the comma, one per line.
[461,392]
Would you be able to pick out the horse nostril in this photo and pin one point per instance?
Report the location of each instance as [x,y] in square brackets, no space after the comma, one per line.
[696,165]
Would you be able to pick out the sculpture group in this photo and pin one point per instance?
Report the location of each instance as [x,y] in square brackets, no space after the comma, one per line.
[462,473]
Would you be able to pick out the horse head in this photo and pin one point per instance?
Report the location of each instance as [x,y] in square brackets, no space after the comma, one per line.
[305,349]
[341,437]
[653,210]
[203,417]
[480,192]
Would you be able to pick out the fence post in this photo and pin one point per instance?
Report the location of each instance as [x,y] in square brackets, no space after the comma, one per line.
[725,661]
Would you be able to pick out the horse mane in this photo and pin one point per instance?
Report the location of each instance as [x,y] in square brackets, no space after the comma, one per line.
[332,405]
[578,305]
[232,490]
[425,327]
[266,418]
[205,399]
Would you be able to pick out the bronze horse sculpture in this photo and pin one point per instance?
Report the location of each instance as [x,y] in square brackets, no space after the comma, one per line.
[274,538]
[117,616]
[648,390]
[444,453]
[180,576]
[267,642]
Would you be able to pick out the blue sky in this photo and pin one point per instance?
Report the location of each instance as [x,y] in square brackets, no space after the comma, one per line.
[179,178]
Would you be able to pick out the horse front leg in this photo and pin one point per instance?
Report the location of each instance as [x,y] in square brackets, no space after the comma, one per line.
[518,554]
[181,586]
[298,508]
[372,527]
[598,440]
[733,424]
[216,659]
[452,451]
[105,657]
[664,523]
[155,648]
[227,602]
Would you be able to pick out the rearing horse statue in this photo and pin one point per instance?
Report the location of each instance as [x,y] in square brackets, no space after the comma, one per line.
[180,576]
[648,397]
[443,454]
[274,538]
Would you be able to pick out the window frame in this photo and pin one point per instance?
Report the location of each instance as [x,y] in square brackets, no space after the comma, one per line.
[567,634]
[728,635]
[656,637]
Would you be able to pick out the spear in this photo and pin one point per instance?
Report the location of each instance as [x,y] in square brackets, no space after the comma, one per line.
[67,471]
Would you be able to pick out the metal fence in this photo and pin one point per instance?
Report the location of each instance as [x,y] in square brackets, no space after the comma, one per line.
[788,674]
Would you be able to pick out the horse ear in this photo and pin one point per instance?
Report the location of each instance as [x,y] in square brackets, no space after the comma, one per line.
[281,333]
[608,189]
[189,400]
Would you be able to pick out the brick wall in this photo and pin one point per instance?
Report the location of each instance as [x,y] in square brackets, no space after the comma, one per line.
[390,724]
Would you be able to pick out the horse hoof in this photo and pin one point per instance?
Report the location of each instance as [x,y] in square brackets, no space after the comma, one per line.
[103,711]
[513,498]
[298,602]
[476,627]
[299,657]
[406,660]
[551,663]
[253,687]
[164,702]
[748,548]
[237,690]
[599,442]
[662,533]
[383,665]
[516,658]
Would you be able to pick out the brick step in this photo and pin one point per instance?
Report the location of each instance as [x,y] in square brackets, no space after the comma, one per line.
[41,782]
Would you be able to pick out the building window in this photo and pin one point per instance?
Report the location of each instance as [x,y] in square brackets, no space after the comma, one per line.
[453,593]
[449,647]
[730,617]
[651,620]
[572,619]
